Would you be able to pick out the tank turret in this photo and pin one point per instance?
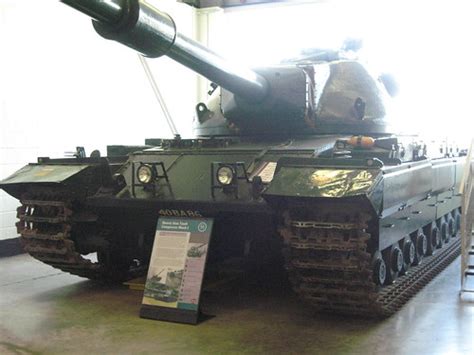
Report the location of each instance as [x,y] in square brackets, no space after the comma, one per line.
[312,96]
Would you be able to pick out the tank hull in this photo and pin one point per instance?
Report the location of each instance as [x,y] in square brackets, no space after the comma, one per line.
[334,218]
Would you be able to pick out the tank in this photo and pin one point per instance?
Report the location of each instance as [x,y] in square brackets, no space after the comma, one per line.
[164,290]
[297,160]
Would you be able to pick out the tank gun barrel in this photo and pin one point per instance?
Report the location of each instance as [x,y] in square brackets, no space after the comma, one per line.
[152,32]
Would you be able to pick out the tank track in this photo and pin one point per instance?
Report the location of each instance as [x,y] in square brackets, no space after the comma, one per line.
[327,260]
[45,225]
[330,267]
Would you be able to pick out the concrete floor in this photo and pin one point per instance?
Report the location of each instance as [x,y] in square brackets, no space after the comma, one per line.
[43,311]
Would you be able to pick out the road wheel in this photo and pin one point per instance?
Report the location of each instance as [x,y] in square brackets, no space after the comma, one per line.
[409,254]
[379,269]
[421,245]
[434,238]
[393,258]
[444,229]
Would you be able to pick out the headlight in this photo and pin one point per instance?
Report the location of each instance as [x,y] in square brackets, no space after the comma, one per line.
[225,175]
[145,174]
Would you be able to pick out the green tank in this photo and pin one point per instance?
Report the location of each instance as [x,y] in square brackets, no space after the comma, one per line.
[298,156]
[164,290]
[197,252]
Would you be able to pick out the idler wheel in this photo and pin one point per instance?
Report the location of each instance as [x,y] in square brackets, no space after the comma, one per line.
[434,238]
[409,254]
[379,269]
[444,229]
[421,246]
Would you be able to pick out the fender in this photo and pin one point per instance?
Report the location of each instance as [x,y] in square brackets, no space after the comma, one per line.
[84,175]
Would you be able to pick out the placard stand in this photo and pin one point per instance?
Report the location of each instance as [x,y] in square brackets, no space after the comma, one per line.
[178,259]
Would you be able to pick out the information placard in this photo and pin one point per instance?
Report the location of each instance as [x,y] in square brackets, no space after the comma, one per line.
[178,259]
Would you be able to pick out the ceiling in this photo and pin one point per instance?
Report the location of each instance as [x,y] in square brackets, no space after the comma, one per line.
[236,3]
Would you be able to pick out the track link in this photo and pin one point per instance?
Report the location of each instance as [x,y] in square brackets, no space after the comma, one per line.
[330,266]
[46,225]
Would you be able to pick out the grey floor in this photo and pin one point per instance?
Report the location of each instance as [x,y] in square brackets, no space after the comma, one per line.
[43,311]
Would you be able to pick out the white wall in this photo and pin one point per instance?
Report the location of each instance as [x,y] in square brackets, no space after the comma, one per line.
[62,86]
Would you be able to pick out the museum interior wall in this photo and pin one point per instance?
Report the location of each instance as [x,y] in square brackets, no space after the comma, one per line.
[63,86]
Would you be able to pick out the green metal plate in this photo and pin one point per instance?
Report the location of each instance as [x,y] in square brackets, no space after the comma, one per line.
[44,173]
[323,182]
